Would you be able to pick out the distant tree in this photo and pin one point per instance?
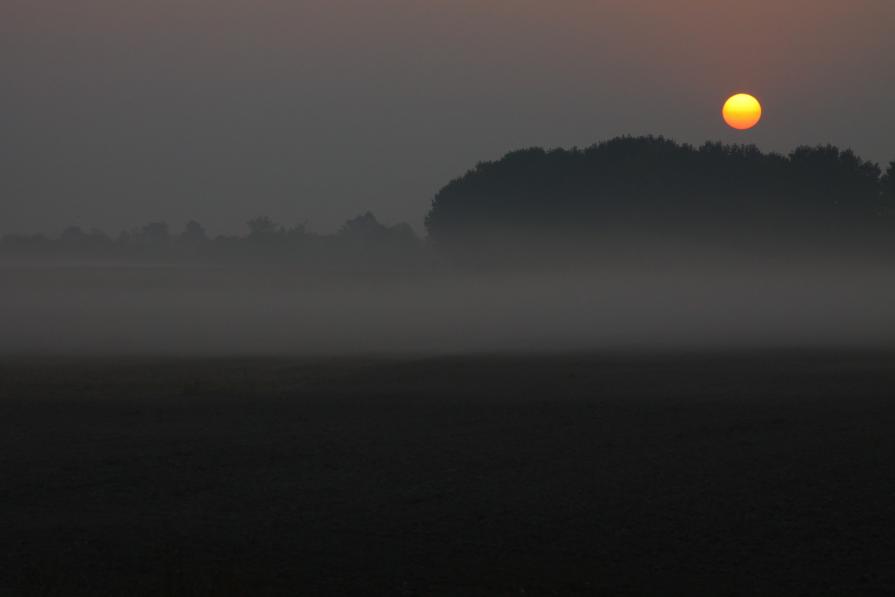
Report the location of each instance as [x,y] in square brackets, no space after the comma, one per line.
[192,243]
[298,234]
[364,227]
[262,229]
[364,242]
[154,234]
[404,234]
[125,239]
[152,240]
[194,233]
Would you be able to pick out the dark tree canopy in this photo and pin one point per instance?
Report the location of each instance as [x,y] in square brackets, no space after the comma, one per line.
[632,185]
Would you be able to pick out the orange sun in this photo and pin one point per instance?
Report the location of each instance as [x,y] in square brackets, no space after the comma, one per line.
[741,111]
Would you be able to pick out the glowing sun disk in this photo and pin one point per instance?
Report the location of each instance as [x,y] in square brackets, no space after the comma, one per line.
[741,111]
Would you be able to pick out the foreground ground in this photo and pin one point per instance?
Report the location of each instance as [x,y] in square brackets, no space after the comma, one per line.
[562,474]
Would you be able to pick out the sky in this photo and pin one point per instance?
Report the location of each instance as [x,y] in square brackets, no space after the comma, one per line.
[114,113]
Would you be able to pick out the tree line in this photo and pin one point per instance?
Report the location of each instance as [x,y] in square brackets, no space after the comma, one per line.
[652,189]
[628,191]
[362,239]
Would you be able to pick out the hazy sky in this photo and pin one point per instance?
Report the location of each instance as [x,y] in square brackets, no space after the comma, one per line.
[117,112]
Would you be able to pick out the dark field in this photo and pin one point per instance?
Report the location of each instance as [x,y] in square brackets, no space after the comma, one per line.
[561,474]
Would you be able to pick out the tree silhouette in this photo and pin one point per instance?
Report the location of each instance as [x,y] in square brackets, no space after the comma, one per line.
[262,229]
[623,194]
[636,187]
[153,235]
[194,233]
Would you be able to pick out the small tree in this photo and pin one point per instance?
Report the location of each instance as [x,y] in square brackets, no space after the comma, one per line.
[154,234]
[262,229]
[194,233]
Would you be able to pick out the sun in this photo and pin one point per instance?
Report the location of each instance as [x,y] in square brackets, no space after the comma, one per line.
[741,111]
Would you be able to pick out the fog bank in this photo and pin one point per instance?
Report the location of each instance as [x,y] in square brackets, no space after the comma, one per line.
[214,311]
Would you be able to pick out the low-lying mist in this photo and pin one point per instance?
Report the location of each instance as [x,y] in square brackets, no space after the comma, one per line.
[192,310]
[633,243]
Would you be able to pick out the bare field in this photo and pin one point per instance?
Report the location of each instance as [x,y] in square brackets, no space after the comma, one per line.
[737,473]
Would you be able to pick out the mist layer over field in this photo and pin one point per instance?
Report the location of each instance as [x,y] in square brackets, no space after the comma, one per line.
[233,311]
